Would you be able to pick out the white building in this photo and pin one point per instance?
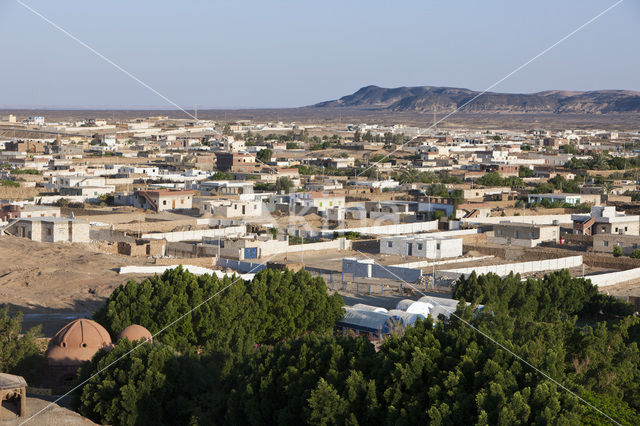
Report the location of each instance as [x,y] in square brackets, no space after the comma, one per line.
[109,140]
[230,208]
[36,121]
[319,200]
[50,229]
[422,246]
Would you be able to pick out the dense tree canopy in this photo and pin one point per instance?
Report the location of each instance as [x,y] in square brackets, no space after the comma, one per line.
[460,370]
[273,306]
[494,179]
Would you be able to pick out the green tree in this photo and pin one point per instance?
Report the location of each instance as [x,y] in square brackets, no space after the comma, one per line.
[525,172]
[264,155]
[617,251]
[635,254]
[275,305]
[285,184]
[129,392]
[327,407]
[491,179]
[19,353]
[222,176]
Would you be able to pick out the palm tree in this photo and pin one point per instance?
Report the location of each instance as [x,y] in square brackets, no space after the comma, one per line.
[409,175]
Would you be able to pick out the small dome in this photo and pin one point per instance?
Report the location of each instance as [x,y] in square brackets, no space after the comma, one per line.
[135,332]
[77,342]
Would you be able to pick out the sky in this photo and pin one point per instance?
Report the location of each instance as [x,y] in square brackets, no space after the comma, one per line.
[289,53]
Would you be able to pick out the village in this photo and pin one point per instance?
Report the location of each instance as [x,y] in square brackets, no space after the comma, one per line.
[389,216]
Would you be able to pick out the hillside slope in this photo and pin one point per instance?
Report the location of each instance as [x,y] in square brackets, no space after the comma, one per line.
[444,99]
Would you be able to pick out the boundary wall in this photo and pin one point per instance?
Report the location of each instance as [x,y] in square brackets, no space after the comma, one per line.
[613,278]
[197,234]
[196,270]
[518,268]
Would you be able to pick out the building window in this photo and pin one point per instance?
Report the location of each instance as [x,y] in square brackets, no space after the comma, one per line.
[517,234]
[419,246]
[438,246]
[499,232]
[616,230]
[531,234]
[606,243]
[389,244]
[164,202]
[634,245]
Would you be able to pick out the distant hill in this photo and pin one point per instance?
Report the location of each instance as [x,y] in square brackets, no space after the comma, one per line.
[445,99]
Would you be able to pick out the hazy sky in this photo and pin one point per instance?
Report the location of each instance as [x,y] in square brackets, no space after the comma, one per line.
[281,53]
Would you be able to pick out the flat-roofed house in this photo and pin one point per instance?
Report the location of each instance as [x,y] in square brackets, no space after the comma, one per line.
[50,229]
[422,246]
[523,234]
[15,211]
[605,220]
[605,243]
[162,200]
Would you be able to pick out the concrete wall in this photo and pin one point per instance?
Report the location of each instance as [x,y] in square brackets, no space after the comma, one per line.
[401,228]
[427,263]
[235,249]
[521,268]
[604,280]
[536,220]
[337,244]
[196,270]
[109,236]
[241,266]
[198,234]
[80,232]
[219,222]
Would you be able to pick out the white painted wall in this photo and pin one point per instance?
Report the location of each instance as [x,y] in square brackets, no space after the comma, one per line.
[521,268]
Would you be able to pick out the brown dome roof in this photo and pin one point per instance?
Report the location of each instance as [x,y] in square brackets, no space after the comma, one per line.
[135,332]
[77,342]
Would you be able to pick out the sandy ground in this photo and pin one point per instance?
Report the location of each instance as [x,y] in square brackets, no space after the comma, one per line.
[53,283]
[53,415]
[630,288]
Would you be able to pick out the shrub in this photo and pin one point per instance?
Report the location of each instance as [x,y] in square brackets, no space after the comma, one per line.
[617,251]
[635,254]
